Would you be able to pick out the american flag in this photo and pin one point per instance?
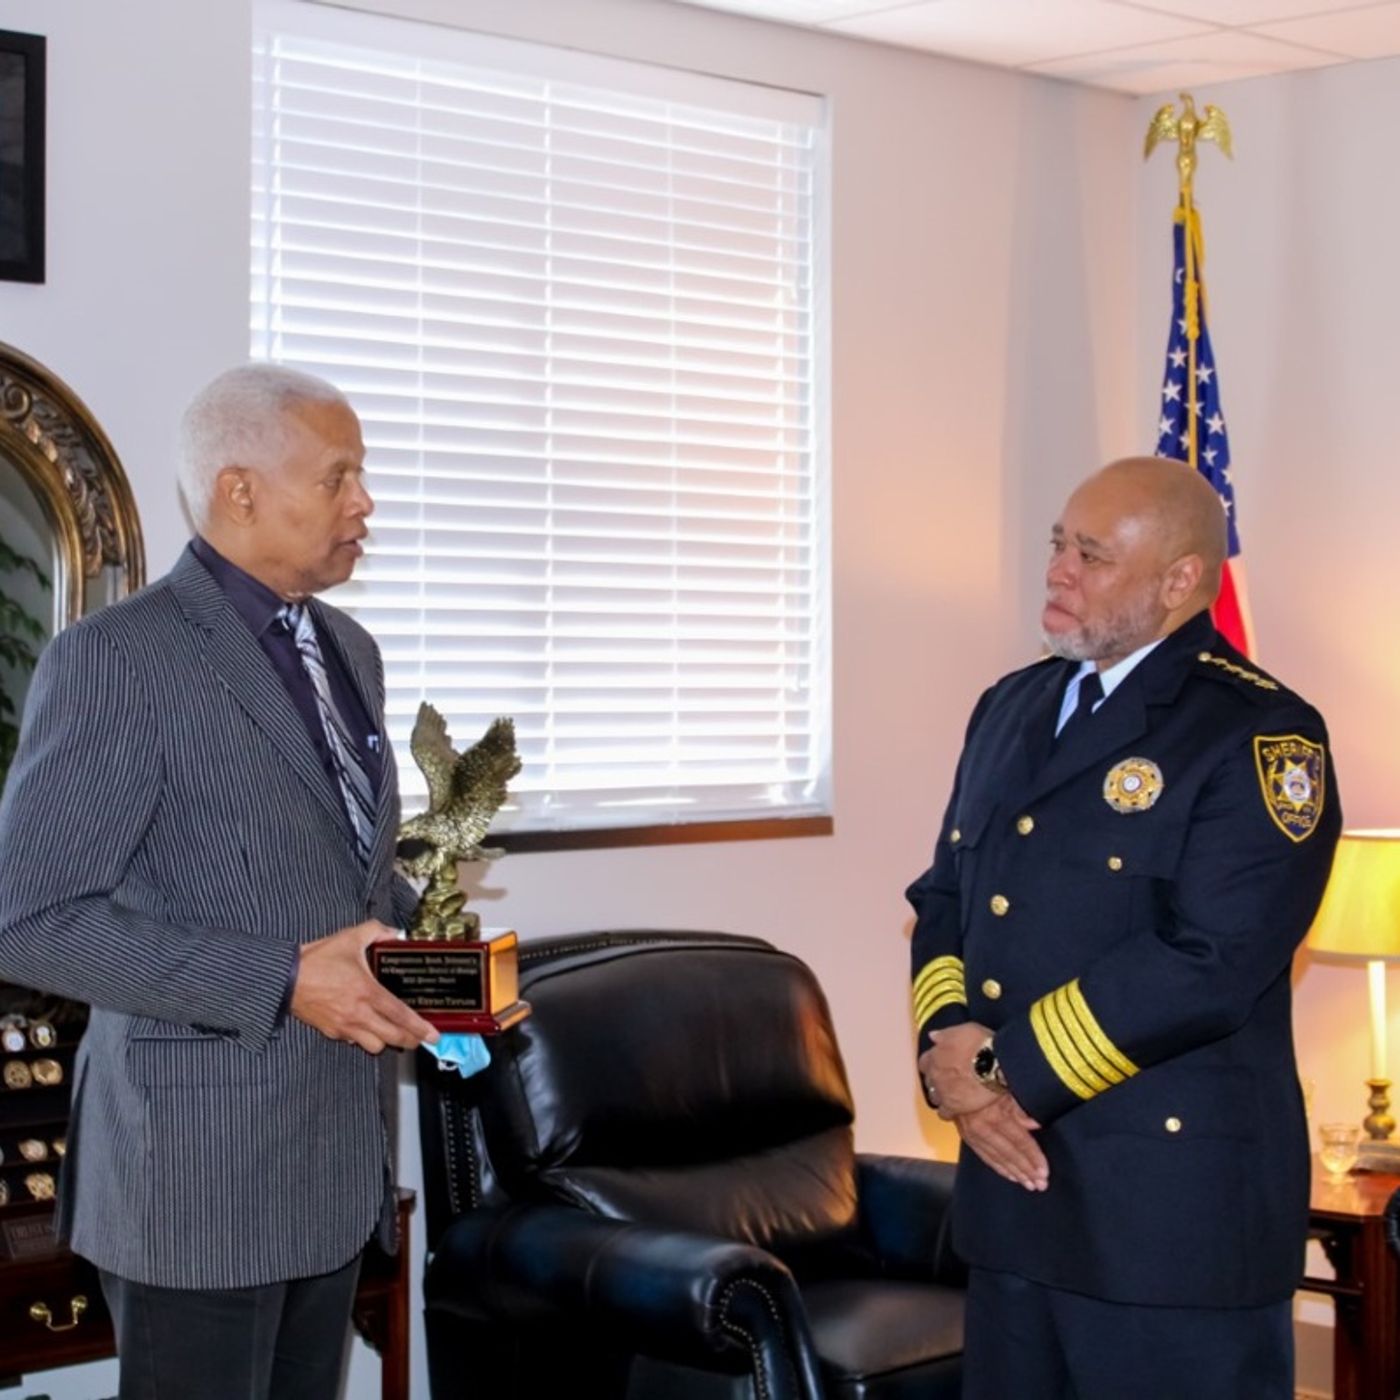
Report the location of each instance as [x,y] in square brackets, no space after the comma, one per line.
[1231,612]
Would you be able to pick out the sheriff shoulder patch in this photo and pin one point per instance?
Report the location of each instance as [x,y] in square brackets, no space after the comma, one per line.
[1293,778]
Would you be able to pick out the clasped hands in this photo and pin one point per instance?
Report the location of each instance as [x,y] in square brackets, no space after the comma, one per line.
[989,1120]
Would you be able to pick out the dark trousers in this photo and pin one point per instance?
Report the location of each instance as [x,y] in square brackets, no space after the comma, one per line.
[279,1341]
[1028,1342]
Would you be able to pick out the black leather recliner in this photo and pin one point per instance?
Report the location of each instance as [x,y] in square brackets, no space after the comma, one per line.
[653,1192]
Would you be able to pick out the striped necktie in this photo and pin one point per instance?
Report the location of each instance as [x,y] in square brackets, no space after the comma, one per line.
[356,790]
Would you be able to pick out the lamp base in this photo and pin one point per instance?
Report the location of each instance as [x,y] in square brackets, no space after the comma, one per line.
[1378,1123]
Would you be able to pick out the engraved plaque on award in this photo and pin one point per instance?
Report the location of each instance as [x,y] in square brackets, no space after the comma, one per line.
[451,972]
[457,985]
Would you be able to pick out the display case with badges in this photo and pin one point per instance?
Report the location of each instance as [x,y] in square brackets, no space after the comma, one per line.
[39,1038]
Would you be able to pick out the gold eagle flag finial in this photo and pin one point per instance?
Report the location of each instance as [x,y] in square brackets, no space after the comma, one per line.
[1186,130]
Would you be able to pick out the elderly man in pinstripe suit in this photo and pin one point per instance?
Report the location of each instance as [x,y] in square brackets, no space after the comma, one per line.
[197,838]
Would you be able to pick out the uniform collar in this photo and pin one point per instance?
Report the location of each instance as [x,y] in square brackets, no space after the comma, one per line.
[1116,674]
[1164,672]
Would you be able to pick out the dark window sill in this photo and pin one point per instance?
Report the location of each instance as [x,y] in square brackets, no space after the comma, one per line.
[759,829]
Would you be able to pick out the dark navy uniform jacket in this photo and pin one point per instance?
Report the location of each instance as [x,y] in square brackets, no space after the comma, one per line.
[1122,910]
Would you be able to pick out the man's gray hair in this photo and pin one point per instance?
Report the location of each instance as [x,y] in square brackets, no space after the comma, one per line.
[239,419]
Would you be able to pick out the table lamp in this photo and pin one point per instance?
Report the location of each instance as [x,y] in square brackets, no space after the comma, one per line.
[1359,920]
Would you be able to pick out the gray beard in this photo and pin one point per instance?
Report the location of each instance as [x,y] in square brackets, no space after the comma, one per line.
[1119,636]
[1076,647]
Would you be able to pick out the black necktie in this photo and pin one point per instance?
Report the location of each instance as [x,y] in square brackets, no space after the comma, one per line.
[1090,693]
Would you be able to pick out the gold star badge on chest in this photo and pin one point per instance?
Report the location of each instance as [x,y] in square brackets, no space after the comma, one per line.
[1133,785]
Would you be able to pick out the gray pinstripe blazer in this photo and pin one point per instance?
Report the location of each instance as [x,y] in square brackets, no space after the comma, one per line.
[168,835]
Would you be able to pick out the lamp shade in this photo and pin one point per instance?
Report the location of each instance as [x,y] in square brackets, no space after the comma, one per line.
[1360,913]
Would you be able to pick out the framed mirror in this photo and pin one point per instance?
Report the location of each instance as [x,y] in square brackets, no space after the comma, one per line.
[52,448]
[70,540]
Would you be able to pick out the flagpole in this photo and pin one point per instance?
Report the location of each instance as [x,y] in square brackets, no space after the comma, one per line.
[1190,305]
[1205,442]
[1185,130]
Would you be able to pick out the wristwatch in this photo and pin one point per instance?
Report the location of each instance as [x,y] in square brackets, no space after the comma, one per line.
[987,1067]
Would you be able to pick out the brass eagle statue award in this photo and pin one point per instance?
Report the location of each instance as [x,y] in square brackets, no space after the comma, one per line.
[451,972]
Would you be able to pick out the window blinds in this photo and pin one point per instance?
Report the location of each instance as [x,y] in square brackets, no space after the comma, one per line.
[578,317]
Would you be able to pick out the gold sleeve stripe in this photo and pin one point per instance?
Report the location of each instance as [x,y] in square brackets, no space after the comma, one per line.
[1093,1068]
[1072,1041]
[947,983]
[940,988]
[1054,1046]
[940,983]
[938,969]
[932,1008]
[942,972]
[935,1001]
[1109,1055]
[1067,1037]
[943,982]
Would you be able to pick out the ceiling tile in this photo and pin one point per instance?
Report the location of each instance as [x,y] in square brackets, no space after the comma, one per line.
[1245,12]
[1373,32]
[1219,57]
[794,11]
[1013,32]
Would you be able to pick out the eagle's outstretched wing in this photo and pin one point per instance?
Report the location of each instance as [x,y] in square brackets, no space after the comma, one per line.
[483,770]
[432,751]
[1162,128]
[1216,128]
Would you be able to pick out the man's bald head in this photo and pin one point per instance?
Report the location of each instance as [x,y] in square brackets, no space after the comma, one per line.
[1137,551]
[1177,504]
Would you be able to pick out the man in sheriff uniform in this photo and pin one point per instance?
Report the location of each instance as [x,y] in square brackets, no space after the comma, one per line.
[1139,834]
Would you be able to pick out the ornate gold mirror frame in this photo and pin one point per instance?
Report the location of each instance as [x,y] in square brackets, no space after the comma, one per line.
[62,454]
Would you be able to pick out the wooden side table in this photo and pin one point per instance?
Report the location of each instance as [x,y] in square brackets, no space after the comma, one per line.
[1346,1219]
[75,1326]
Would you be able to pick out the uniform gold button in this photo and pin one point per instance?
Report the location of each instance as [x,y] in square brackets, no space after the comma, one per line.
[1173,1125]
[955,836]
[1000,904]
[1025,825]
[1115,862]
[991,989]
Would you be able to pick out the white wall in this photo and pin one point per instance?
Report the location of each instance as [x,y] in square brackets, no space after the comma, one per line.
[984,256]
[147,223]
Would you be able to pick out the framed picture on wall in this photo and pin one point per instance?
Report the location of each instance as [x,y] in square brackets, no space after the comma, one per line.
[21,157]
